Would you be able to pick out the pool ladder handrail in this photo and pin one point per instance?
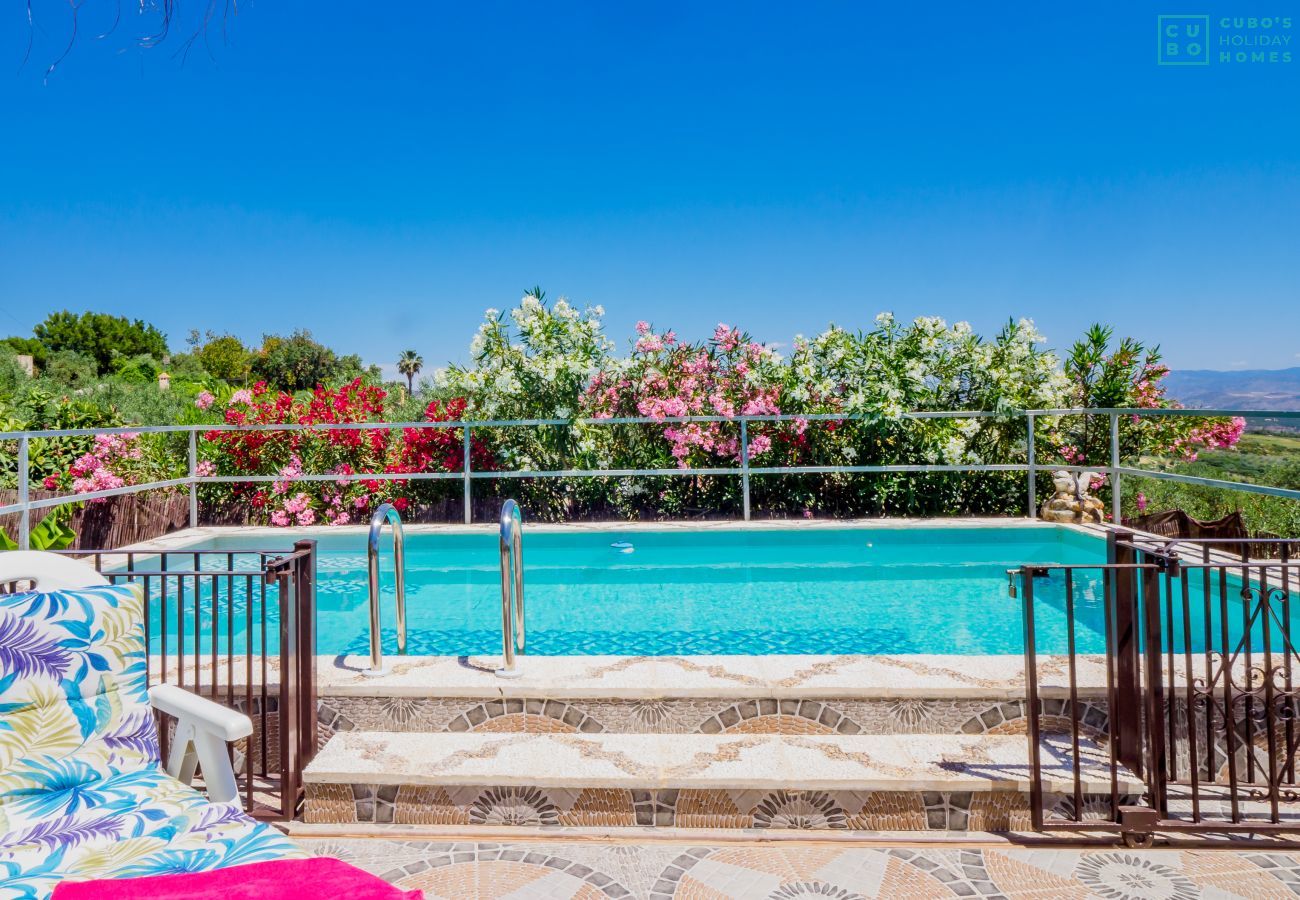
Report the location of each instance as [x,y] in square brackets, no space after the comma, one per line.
[386,513]
[512,575]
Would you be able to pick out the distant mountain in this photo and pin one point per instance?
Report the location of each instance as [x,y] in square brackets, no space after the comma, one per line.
[1244,389]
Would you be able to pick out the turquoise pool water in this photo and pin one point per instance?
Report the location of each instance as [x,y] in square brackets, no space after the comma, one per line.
[751,591]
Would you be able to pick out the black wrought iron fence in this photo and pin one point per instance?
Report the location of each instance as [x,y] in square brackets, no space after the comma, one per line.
[239,628]
[1195,648]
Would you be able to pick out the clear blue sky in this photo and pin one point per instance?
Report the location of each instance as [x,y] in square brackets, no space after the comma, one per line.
[382,173]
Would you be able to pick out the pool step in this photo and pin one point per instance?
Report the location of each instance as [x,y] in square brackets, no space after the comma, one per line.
[845,695]
[869,782]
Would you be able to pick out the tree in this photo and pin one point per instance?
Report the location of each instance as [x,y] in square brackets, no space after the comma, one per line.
[299,362]
[70,369]
[100,336]
[222,356]
[27,347]
[409,364]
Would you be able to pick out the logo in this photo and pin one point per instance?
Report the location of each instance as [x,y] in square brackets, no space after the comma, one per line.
[1200,40]
[1183,40]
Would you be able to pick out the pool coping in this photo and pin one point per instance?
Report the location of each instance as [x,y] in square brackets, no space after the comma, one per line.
[179,540]
[633,678]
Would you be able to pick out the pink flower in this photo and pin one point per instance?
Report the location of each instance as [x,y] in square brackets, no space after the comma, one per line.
[280,518]
[204,400]
[307,517]
[51,482]
[1142,502]
[759,444]
[726,337]
[807,514]
[643,327]
[243,395]
[205,467]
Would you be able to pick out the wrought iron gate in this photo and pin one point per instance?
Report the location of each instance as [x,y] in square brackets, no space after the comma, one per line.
[1190,647]
[237,627]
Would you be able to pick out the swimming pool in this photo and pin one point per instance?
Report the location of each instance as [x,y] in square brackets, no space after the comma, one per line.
[876,590]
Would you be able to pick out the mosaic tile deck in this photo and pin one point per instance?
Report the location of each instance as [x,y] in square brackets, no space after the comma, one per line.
[786,871]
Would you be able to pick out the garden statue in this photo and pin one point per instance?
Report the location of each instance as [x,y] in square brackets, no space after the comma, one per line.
[1071,503]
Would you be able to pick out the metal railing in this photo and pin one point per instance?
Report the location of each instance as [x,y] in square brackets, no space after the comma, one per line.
[1114,467]
[386,513]
[1195,726]
[512,577]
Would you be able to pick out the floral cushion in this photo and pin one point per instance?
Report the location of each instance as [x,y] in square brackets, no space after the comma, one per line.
[82,791]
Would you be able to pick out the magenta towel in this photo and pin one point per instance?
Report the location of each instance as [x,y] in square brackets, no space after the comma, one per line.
[279,879]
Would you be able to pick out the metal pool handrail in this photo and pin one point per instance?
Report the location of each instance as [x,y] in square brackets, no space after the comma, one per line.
[512,575]
[386,512]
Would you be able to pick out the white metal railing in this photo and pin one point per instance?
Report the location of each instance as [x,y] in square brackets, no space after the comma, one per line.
[744,470]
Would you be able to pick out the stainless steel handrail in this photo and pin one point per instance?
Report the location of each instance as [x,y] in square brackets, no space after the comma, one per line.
[386,513]
[512,575]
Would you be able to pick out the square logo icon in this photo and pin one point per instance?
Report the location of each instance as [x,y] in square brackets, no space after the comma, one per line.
[1183,40]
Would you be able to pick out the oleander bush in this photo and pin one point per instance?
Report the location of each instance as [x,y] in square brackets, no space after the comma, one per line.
[841,399]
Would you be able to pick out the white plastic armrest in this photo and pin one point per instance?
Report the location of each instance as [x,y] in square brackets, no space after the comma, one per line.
[50,571]
[203,729]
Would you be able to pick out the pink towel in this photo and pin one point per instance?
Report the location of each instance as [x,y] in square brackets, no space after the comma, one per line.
[279,879]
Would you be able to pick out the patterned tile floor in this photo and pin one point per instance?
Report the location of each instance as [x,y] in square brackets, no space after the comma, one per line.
[531,870]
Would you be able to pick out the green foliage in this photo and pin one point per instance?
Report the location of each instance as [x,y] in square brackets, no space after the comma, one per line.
[27,347]
[139,369]
[51,533]
[222,356]
[12,374]
[1268,459]
[300,363]
[1107,379]
[101,336]
[34,409]
[70,369]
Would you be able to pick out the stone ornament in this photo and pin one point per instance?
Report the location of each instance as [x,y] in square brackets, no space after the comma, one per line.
[1071,504]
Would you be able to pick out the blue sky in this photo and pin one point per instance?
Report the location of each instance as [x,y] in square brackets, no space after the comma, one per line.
[381,174]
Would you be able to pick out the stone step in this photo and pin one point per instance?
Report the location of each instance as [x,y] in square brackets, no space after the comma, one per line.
[868,782]
[705,695]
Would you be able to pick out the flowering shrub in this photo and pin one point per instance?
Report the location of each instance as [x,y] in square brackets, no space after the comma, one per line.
[348,454]
[1130,376]
[727,376]
[441,449]
[856,391]
[535,368]
[115,460]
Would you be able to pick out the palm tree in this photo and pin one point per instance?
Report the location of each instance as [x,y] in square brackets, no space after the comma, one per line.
[409,364]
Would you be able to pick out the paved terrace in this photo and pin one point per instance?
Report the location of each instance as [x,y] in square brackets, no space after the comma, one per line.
[823,870]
